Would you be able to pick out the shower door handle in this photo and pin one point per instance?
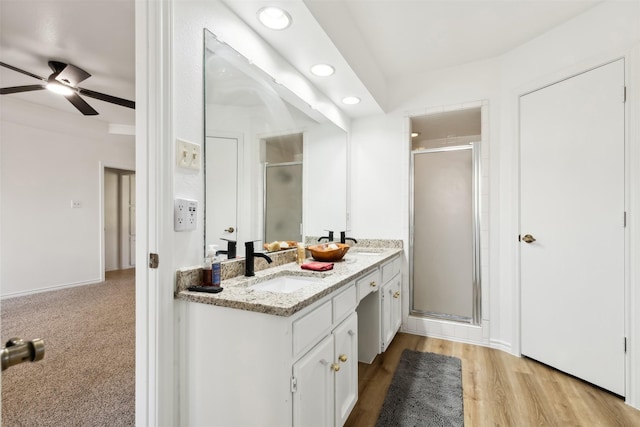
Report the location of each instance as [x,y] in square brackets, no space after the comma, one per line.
[528,238]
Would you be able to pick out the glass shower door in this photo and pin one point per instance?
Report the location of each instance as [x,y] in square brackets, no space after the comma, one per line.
[445,251]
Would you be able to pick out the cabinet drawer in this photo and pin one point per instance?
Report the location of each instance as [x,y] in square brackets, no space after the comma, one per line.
[367,284]
[390,269]
[345,303]
[309,329]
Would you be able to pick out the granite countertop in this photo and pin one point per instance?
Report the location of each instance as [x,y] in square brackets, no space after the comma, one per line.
[236,294]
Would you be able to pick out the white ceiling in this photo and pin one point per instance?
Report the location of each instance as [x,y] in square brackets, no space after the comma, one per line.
[371,43]
[95,35]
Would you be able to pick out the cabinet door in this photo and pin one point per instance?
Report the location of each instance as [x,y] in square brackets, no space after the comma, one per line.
[396,306]
[346,379]
[313,400]
[385,314]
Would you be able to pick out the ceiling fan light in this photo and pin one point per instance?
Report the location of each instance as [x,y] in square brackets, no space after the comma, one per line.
[274,18]
[60,89]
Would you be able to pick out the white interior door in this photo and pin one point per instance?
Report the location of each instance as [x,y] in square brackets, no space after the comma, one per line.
[572,203]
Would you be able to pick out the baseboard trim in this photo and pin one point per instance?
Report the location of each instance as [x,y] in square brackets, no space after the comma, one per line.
[49,288]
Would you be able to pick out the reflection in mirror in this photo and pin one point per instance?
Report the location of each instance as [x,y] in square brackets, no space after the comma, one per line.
[275,169]
[283,188]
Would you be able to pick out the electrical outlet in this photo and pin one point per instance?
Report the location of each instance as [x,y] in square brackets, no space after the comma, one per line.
[185,214]
[75,204]
[187,155]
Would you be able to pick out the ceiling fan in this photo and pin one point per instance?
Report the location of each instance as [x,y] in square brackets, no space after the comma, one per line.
[64,81]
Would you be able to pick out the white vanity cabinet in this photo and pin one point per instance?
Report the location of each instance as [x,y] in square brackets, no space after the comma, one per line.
[390,302]
[325,380]
[247,368]
[380,313]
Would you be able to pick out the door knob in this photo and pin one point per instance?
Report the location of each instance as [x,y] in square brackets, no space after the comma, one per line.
[18,351]
[230,230]
[343,357]
[528,238]
[335,367]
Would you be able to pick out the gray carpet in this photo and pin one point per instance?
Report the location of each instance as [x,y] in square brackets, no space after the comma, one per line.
[87,377]
[426,391]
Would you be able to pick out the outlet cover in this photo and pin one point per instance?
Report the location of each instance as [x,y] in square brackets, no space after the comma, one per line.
[185,215]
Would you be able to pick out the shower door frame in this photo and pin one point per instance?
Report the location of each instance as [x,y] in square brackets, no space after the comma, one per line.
[475,268]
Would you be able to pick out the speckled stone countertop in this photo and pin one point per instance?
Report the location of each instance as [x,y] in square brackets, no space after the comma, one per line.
[236,294]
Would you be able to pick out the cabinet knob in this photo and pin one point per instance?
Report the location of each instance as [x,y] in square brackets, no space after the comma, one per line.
[373,284]
[335,367]
[343,357]
[397,294]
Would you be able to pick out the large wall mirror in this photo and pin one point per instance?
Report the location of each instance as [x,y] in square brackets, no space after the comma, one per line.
[275,169]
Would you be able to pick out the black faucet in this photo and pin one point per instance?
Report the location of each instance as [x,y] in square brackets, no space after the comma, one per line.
[329,237]
[231,249]
[249,256]
[344,238]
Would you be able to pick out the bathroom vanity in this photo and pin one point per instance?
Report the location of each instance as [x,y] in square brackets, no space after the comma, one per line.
[282,348]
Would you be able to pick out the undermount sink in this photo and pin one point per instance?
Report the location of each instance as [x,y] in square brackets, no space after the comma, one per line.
[284,284]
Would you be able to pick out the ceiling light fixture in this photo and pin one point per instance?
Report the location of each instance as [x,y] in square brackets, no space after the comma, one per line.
[60,89]
[322,70]
[351,100]
[414,134]
[274,18]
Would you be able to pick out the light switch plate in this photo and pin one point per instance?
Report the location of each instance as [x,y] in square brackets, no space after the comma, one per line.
[187,155]
[185,214]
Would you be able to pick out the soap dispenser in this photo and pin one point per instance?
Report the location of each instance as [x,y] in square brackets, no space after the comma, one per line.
[215,265]
[207,277]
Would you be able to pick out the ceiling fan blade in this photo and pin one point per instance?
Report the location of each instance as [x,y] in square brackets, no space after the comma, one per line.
[17,89]
[107,98]
[69,74]
[11,67]
[81,105]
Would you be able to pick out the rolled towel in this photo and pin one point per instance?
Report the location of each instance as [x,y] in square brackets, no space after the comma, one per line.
[317,266]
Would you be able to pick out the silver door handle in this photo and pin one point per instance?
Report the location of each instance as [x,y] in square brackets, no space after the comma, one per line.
[230,230]
[18,351]
[528,238]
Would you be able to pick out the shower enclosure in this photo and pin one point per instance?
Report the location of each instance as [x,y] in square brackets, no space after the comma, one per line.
[445,255]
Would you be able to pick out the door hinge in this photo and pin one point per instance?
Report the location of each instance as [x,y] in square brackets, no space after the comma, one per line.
[624,94]
[519,238]
[625,344]
[294,385]
[624,219]
[154,260]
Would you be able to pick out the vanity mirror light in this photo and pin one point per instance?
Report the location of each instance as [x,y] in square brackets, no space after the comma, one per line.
[275,169]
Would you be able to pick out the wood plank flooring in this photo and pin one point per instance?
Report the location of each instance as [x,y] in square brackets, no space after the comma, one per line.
[499,389]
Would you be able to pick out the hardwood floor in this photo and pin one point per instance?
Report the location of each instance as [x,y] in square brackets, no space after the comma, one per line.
[499,389]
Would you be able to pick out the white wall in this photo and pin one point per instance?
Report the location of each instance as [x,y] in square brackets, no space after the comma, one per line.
[380,169]
[603,33]
[49,158]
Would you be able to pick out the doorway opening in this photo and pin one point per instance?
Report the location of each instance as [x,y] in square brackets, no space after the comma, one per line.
[119,223]
[445,279]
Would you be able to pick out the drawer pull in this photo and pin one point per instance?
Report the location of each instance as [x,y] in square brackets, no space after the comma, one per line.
[335,367]
[373,284]
[343,357]
[397,294]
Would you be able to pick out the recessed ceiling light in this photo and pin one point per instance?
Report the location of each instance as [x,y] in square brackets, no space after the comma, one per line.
[322,70]
[60,89]
[414,134]
[351,100]
[274,18]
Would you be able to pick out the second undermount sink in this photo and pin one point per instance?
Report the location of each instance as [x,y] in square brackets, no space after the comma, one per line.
[284,284]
